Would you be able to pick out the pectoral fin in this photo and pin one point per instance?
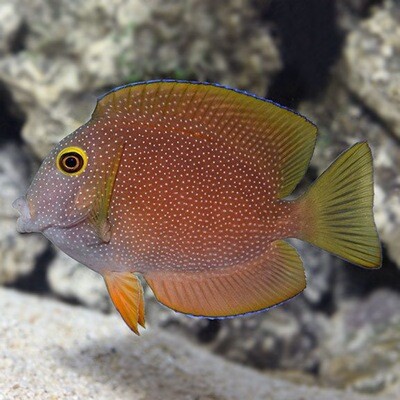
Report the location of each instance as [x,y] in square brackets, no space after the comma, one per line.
[126,292]
[98,215]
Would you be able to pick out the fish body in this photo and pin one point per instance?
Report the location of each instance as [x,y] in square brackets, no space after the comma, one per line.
[185,183]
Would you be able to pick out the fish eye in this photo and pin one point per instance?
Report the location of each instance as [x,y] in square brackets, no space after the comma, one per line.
[72,161]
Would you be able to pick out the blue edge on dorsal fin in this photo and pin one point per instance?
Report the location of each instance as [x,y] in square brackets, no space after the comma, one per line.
[218,85]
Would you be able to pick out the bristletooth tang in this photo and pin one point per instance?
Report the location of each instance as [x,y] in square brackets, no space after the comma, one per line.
[186,183]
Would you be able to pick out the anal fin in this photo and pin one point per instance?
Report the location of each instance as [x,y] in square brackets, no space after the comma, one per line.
[126,292]
[276,276]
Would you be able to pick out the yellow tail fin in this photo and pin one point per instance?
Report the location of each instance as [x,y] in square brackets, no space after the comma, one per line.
[336,213]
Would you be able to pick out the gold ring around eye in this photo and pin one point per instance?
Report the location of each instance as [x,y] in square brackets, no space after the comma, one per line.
[72,161]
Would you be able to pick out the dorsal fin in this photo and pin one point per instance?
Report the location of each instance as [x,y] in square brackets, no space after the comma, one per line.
[279,138]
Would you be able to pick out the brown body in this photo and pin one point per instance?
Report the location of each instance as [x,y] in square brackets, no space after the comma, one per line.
[192,203]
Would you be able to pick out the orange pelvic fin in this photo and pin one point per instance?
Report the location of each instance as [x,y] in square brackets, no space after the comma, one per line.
[276,276]
[126,292]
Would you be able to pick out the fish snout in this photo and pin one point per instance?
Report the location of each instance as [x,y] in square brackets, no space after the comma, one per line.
[24,222]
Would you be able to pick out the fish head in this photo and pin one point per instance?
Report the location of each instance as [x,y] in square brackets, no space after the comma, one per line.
[66,185]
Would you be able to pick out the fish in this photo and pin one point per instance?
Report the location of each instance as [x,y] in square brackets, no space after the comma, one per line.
[189,187]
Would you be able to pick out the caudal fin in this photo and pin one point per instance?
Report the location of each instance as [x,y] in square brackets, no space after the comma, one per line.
[336,212]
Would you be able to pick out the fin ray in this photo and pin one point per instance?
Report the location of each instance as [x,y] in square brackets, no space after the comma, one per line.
[126,293]
[337,211]
[99,209]
[262,283]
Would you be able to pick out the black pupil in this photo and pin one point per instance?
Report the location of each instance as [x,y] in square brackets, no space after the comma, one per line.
[72,162]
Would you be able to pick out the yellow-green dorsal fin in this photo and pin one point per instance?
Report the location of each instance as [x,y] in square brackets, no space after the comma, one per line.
[281,140]
[337,211]
[126,292]
[276,276]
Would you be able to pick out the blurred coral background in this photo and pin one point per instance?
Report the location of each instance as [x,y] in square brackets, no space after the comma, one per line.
[335,61]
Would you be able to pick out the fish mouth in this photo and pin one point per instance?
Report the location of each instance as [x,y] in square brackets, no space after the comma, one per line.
[27,224]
